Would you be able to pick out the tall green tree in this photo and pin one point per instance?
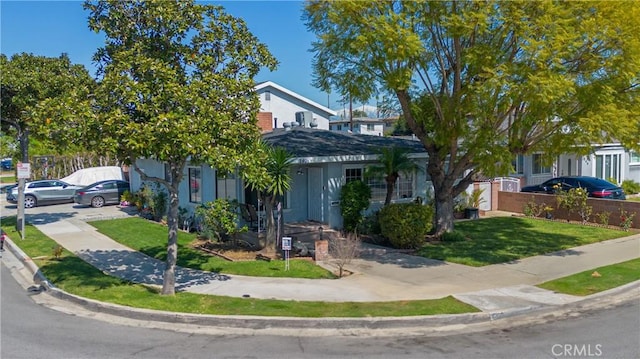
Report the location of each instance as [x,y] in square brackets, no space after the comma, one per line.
[392,162]
[177,85]
[32,86]
[30,83]
[479,82]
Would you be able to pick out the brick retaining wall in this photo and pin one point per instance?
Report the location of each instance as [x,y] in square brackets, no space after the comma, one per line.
[515,202]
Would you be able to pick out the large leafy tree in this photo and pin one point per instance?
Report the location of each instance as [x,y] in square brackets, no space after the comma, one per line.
[392,161]
[33,87]
[177,86]
[30,83]
[481,81]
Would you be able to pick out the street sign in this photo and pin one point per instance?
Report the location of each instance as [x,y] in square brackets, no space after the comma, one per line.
[24,170]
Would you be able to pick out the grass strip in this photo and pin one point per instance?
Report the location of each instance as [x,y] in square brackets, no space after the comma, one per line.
[588,282]
[75,276]
[8,179]
[504,239]
[150,238]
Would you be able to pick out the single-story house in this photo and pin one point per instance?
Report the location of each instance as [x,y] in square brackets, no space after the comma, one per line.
[323,161]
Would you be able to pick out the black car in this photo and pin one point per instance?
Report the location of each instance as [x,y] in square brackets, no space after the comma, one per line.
[100,193]
[596,187]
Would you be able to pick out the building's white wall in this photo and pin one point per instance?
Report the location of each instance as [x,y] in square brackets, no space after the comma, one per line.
[284,108]
[358,127]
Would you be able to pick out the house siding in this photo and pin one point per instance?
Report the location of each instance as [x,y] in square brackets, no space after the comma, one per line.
[283,107]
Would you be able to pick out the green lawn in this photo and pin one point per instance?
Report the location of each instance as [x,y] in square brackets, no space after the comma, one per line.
[636,199]
[150,238]
[8,179]
[505,239]
[585,283]
[75,276]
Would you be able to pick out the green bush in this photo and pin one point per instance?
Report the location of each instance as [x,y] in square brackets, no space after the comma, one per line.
[630,187]
[370,224]
[406,224]
[354,199]
[219,219]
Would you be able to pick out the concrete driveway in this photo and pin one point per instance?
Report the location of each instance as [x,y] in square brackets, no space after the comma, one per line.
[64,211]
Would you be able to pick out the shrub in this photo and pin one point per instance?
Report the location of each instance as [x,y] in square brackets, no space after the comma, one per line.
[370,224]
[344,250]
[354,199]
[626,219]
[630,187]
[406,224]
[603,218]
[219,219]
[575,199]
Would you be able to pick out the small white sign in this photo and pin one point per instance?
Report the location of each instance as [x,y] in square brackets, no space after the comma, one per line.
[286,243]
[24,170]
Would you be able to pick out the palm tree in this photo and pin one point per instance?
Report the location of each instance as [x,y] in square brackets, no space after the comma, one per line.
[277,165]
[392,161]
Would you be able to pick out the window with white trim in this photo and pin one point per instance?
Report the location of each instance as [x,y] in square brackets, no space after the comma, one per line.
[352,174]
[370,127]
[609,165]
[518,164]
[538,166]
[634,158]
[226,186]
[195,185]
[402,189]
[404,186]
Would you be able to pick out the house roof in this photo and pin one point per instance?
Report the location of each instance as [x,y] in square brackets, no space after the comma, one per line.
[309,143]
[264,85]
[358,120]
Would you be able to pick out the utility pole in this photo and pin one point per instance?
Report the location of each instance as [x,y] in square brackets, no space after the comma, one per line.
[24,148]
[350,113]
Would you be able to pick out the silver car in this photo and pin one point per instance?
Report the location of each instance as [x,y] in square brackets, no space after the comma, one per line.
[42,192]
[100,193]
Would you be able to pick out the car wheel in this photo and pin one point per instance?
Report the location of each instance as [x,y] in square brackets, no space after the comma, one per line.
[97,202]
[29,202]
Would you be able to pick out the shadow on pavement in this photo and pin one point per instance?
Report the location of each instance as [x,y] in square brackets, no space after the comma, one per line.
[139,268]
[47,218]
[564,253]
[402,260]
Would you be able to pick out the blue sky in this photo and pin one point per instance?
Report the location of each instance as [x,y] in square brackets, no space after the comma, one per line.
[49,28]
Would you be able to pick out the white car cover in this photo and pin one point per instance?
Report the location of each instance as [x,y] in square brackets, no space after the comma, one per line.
[87,176]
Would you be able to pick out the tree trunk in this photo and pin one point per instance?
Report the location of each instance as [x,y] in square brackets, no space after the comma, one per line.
[444,214]
[269,244]
[391,183]
[169,280]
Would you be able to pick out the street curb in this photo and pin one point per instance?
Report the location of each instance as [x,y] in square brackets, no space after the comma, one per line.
[603,299]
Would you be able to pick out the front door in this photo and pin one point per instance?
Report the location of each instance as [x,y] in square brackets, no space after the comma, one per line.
[315,194]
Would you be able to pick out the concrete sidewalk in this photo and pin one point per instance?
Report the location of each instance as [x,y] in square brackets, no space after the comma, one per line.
[380,275]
